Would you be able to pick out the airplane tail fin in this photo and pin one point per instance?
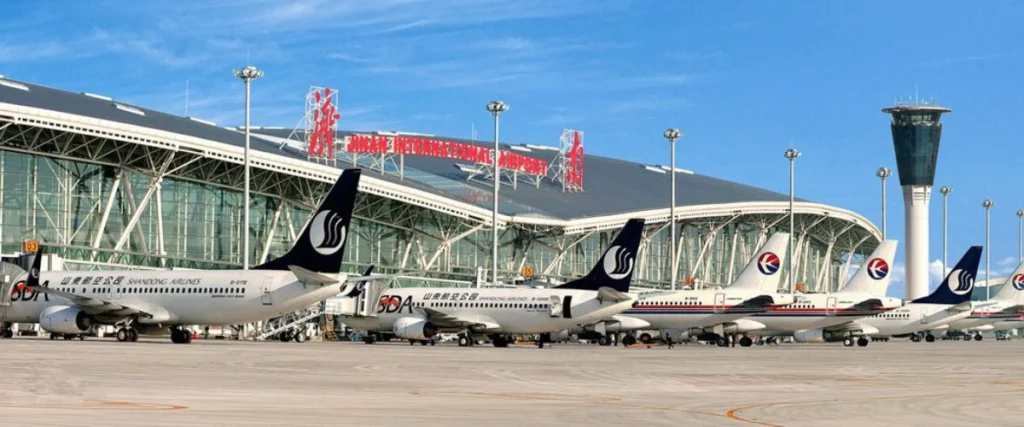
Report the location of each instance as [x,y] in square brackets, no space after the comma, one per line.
[616,266]
[873,277]
[764,271]
[959,283]
[1013,289]
[322,244]
[33,273]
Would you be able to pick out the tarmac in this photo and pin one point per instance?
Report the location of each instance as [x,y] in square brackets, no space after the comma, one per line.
[156,383]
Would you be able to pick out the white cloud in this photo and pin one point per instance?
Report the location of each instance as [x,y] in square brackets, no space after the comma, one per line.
[935,272]
[899,273]
[1007,262]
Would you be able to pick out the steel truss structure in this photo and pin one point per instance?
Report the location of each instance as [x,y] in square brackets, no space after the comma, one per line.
[105,194]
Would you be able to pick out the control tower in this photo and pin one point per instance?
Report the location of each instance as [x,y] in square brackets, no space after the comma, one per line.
[916,130]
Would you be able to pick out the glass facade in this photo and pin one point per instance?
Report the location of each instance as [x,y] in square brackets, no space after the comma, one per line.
[916,136]
[63,204]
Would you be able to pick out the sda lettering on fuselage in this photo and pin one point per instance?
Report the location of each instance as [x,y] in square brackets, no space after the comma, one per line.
[394,304]
[19,292]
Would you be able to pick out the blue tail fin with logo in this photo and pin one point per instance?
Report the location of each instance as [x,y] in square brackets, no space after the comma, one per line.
[959,283]
[322,244]
[615,267]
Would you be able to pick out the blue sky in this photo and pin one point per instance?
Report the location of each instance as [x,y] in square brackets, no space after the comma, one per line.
[742,83]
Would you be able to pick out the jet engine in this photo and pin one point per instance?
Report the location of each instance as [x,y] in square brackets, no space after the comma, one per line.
[809,335]
[63,319]
[414,328]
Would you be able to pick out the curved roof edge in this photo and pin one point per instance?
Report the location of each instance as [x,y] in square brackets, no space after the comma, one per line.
[283,164]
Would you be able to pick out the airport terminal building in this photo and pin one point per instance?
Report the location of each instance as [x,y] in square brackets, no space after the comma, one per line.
[104,184]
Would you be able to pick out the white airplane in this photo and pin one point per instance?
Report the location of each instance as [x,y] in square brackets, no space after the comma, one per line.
[950,302]
[710,314]
[70,302]
[419,314]
[829,317]
[1005,306]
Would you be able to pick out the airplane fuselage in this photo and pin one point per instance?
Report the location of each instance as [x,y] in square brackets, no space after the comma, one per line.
[176,297]
[697,308]
[513,311]
[812,311]
[986,316]
[914,317]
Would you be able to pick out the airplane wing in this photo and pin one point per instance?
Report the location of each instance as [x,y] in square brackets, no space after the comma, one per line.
[868,305]
[760,301]
[605,293]
[852,326]
[455,321]
[95,306]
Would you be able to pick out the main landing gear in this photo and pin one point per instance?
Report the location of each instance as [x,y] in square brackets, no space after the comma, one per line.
[127,334]
[860,342]
[180,336]
[927,338]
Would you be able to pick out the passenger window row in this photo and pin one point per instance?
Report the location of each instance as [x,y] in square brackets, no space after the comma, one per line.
[649,303]
[481,305]
[148,290]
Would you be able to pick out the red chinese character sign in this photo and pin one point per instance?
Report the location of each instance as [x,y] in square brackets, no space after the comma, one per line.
[321,122]
[569,162]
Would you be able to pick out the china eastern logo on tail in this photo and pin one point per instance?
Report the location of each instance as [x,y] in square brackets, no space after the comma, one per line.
[327,232]
[768,263]
[960,282]
[878,269]
[618,262]
[1018,282]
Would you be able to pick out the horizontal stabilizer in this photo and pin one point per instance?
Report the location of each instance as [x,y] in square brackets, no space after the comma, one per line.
[606,293]
[311,277]
[965,306]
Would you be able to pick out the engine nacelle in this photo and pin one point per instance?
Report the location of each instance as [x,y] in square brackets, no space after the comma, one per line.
[559,336]
[414,328]
[809,335]
[63,319]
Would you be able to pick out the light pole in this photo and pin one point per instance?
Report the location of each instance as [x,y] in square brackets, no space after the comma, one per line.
[247,74]
[791,154]
[945,190]
[883,173]
[672,134]
[988,248]
[496,108]
[1020,236]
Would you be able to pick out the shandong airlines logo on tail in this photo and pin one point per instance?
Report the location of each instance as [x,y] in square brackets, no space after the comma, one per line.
[618,262]
[326,232]
[878,269]
[960,282]
[768,263]
[1018,282]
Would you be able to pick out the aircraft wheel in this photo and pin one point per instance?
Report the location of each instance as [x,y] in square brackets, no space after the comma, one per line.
[133,335]
[967,338]
[463,341]
[7,334]
[628,340]
[929,338]
[848,342]
[862,342]
[603,341]
[978,337]
[915,338]
[299,337]
[759,341]
[122,335]
[432,342]
[645,338]
[186,338]
[368,339]
[499,342]
[722,342]
[746,342]
[286,336]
